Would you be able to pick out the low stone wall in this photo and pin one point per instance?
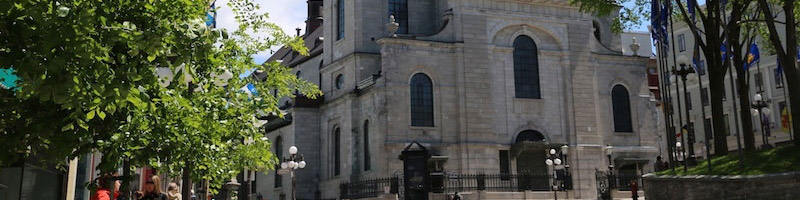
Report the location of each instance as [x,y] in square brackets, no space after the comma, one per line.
[770,186]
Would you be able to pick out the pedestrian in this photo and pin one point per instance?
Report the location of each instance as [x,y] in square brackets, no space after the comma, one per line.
[103,192]
[659,165]
[457,196]
[172,192]
[152,190]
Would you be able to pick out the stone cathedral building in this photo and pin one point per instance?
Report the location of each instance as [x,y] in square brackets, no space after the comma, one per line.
[484,86]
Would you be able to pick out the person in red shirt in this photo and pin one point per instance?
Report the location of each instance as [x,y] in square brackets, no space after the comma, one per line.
[103,193]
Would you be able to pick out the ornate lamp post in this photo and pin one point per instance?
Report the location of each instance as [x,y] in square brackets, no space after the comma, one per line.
[292,163]
[567,179]
[610,150]
[553,160]
[683,72]
[761,109]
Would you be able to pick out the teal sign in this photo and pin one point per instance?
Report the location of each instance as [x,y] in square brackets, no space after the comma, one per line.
[7,78]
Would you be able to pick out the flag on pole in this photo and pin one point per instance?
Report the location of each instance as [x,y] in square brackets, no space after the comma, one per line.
[752,56]
[696,63]
[666,11]
[778,70]
[655,22]
[691,4]
[724,50]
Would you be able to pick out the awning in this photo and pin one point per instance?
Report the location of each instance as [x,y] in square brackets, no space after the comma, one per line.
[622,161]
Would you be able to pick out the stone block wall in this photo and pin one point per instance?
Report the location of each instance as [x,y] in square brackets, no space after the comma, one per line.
[772,186]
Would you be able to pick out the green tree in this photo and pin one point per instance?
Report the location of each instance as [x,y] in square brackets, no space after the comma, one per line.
[88,81]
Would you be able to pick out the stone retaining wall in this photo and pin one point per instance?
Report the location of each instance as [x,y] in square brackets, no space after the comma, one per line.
[770,186]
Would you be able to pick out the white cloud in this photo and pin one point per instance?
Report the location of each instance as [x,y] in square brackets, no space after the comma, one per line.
[288,14]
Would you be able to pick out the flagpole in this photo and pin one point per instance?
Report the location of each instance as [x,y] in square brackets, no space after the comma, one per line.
[666,104]
[677,88]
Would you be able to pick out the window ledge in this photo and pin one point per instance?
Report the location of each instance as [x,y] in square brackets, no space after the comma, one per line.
[625,133]
[423,128]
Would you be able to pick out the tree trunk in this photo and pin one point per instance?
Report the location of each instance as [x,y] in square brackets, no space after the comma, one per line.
[716,76]
[717,87]
[786,56]
[744,105]
[186,186]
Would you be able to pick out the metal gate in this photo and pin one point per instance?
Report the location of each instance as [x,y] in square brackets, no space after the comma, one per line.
[603,186]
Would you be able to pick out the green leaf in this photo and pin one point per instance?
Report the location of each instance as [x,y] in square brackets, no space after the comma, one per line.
[90,115]
[69,126]
[151,57]
[101,114]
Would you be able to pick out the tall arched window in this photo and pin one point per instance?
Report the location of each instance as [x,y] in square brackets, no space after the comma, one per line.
[340,19]
[336,151]
[526,68]
[421,100]
[621,102]
[399,8]
[367,164]
[279,153]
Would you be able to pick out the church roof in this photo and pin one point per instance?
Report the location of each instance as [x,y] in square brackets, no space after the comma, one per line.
[313,42]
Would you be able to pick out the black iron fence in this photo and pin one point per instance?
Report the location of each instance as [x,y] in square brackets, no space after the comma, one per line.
[451,183]
[369,188]
[623,182]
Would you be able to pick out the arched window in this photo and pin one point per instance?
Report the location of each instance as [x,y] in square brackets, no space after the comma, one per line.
[421,100]
[279,153]
[621,102]
[367,164]
[526,68]
[399,8]
[340,20]
[596,27]
[339,81]
[336,151]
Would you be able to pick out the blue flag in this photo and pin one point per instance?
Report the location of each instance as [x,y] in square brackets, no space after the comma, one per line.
[778,70]
[691,4]
[752,56]
[655,23]
[665,12]
[696,63]
[724,50]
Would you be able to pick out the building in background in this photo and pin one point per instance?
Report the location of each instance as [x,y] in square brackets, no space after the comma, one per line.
[764,80]
[480,86]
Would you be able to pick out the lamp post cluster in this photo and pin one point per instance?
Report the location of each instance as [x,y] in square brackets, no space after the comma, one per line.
[292,163]
[761,109]
[555,160]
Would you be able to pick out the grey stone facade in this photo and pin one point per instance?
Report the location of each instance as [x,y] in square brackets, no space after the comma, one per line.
[465,47]
[770,186]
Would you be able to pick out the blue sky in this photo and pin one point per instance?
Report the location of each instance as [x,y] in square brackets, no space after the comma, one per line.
[291,14]
[288,14]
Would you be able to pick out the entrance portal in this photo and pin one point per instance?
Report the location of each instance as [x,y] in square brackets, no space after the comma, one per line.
[530,151]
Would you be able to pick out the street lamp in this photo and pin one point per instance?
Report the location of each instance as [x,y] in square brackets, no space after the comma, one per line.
[291,164]
[554,161]
[567,177]
[232,186]
[608,150]
[685,71]
[761,109]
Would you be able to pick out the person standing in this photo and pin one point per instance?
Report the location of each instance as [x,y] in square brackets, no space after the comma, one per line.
[172,192]
[152,190]
[103,192]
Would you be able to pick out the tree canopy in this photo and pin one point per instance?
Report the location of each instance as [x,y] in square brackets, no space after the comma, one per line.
[140,80]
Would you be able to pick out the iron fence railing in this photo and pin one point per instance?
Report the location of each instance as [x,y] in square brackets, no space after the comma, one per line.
[623,182]
[368,188]
[451,183]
